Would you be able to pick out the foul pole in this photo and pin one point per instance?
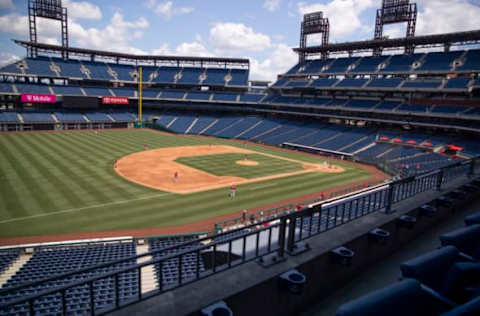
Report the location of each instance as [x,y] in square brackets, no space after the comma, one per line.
[140,98]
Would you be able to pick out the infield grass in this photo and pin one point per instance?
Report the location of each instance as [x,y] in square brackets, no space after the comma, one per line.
[53,183]
[226,165]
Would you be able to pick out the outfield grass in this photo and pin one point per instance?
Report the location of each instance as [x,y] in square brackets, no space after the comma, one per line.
[225,165]
[54,183]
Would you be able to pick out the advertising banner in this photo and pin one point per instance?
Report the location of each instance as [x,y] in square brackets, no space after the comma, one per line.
[38,98]
[114,100]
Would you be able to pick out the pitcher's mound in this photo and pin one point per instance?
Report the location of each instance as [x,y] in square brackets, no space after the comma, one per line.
[247,163]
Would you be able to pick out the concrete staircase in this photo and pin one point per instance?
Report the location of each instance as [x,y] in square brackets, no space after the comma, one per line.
[14,268]
[149,282]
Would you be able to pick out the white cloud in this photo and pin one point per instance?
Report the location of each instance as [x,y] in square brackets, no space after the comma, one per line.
[281,59]
[184,49]
[6,4]
[167,9]
[7,58]
[116,36]
[344,16]
[271,5]
[232,37]
[82,10]
[441,16]
[47,30]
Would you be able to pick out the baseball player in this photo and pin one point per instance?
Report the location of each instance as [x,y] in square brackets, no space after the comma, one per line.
[175,177]
[233,188]
[145,146]
[115,163]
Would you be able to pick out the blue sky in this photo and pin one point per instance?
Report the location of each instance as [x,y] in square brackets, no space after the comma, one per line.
[262,30]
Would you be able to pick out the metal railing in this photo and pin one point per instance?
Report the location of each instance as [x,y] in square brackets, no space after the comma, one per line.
[199,258]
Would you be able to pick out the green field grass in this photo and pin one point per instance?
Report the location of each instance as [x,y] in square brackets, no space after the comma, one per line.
[225,165]
[53,183]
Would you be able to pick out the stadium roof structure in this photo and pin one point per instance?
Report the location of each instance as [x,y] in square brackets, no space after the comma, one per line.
[425,41]
[137,59]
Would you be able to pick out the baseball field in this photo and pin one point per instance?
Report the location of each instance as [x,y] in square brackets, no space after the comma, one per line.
[64,185]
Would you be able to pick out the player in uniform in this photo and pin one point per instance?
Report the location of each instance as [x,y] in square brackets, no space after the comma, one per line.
[233,188]
[145,146]
[175,177]
[115,163]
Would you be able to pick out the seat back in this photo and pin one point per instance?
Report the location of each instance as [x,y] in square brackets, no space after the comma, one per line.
[431,268]
[466,240]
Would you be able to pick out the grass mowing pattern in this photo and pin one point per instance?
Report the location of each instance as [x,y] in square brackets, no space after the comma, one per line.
[53,183]
[225,165]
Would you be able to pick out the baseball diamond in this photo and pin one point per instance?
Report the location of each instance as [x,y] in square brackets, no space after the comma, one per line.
[65,182]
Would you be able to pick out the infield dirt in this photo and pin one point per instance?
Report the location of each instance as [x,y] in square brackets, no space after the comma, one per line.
[156,169]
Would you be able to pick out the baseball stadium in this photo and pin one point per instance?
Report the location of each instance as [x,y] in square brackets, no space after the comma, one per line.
[177,185]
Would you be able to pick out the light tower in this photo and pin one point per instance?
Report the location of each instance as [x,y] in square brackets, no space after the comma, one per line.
[314,23]
[393,12]
[47,9]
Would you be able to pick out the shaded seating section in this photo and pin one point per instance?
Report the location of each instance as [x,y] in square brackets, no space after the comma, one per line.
[5,87]
[352,83]
[369,64]
[465,239]
[49,262]
[205,96]
[69,117]
[401,63]
[239,77]
[37,117]
[472,219]
[124,92]
[123,116]
[67,90]
[181,124]
[324,82]
[444,281]
[39,66]
[387,105]
[239,128]
[457,83]
[448,109]
[97,117]
[385,83]
[32,88]
[9,117]
[97,91]
[230,97]
[172,94]
[363,104]
[216,77]
[472,61]
[167,272]
[422,84]
[124,72]
[403,298]
[164,74]
[224,123]
[202,123]
[190,75]
[439,61]
[341,65]
[412,108]
[7,257]
[249,97]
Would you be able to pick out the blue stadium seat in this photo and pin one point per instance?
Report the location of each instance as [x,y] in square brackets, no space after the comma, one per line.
[385,83]
[399,299]
[465,239]
[471,308]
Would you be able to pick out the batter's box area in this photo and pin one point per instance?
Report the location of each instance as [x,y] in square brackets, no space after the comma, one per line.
[207,167]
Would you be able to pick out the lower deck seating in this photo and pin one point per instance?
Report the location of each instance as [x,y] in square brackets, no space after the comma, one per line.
[168,272]
[49,262]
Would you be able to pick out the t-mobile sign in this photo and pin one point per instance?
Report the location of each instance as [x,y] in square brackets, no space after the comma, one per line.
[38,98]
[114,100]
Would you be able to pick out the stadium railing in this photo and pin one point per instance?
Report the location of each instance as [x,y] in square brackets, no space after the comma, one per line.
[255,241]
